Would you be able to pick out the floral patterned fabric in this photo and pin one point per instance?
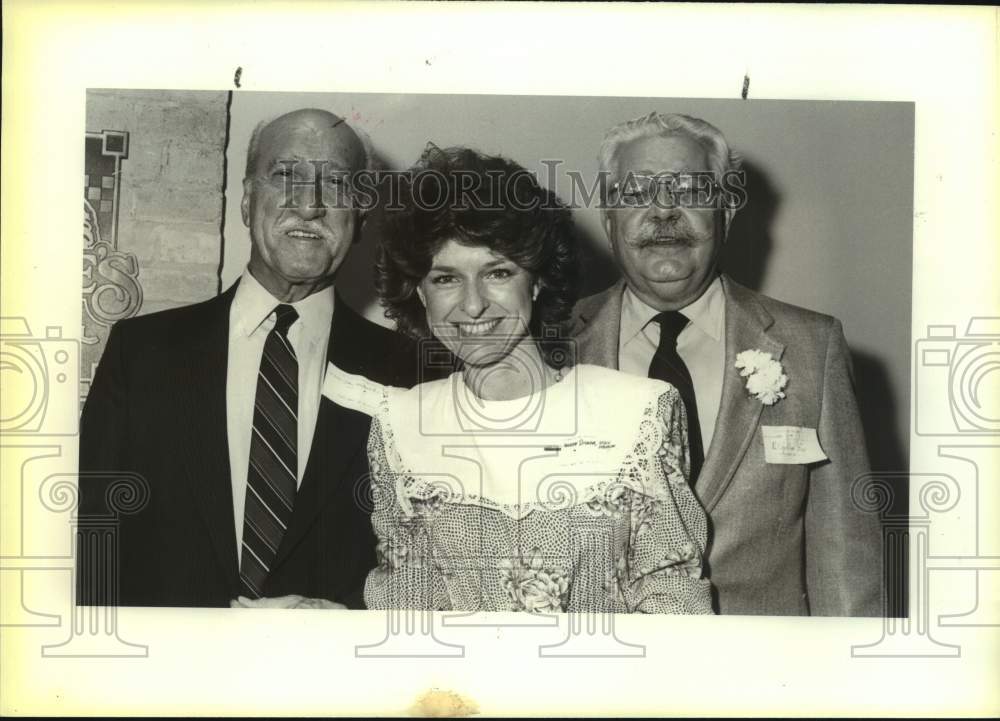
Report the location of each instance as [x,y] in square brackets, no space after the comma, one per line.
[630,541]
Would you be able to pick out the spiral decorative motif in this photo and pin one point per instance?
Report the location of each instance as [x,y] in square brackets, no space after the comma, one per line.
[557,494]
[939,495]
[872,494]
[127,495]
[58,493]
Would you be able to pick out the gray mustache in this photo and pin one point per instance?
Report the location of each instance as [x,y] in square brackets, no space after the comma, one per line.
[670,233]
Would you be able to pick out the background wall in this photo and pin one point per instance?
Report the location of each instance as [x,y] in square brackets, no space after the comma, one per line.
[828,224]
[153,180]
[170,211]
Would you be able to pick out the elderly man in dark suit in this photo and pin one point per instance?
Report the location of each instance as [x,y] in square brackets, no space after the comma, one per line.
[255,479]
[775,436]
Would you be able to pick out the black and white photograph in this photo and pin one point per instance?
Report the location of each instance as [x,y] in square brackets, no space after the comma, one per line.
[499,359]
[633,321]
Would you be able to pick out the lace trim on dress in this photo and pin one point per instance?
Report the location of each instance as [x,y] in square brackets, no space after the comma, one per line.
[634,473]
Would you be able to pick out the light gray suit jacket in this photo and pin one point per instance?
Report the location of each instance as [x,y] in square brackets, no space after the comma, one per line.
[783,539]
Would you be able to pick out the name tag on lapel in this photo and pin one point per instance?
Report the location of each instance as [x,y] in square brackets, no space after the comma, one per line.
[352,391]
[791,444]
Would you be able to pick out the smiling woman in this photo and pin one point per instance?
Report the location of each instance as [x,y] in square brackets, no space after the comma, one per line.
[521,481]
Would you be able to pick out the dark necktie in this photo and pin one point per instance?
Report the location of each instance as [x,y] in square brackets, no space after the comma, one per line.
[668,366]
[273,471]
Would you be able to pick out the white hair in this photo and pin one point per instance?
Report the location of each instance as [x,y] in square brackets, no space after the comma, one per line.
[253,147]
[721,158]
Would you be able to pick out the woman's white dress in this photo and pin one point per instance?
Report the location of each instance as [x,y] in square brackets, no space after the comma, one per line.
[573,498]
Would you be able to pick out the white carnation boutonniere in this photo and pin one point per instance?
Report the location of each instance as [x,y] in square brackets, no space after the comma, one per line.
[765,376]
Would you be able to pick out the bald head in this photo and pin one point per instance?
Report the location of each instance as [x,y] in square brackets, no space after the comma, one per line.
[321,126]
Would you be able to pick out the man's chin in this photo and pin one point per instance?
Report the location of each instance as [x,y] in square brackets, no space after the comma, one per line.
[676,282]
[667,293]
[309,275]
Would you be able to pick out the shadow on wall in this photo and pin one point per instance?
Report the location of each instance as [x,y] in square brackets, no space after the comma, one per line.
[749,243]
[889,455]
[879,410]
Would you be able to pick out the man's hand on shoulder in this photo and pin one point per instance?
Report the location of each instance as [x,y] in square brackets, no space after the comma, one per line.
[291,601]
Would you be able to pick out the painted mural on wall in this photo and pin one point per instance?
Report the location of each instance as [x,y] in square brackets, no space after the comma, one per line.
[111,289]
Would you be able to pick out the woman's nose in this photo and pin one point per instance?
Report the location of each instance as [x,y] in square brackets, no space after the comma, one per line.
[474,301]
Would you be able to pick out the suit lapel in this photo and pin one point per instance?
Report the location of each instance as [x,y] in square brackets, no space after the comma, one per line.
[601,318]
[202,395]
[340,435]
[746,328]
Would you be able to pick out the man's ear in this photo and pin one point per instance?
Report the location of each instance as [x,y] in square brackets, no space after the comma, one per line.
[606,224]
[420,294]
[245,202]
[728,216]
[362,218]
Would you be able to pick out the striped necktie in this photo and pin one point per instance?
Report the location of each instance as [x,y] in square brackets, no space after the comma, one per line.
[273,471]
[668,366]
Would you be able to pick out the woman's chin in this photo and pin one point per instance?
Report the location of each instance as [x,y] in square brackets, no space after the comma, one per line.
[483,358]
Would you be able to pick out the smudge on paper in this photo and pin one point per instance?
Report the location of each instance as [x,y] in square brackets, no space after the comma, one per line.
[438,703]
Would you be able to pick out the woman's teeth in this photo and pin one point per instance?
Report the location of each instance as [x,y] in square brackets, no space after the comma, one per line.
[480,327]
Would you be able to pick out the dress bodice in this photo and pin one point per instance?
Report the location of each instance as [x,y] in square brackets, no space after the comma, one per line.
[571,499]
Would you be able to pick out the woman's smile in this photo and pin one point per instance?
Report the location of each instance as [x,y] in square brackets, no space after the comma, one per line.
[477,327]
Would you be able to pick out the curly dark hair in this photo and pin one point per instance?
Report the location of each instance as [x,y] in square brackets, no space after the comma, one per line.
[478,200]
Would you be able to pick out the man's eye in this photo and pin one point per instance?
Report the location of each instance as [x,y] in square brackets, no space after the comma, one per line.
[443,279]
[634,197]
[334,180]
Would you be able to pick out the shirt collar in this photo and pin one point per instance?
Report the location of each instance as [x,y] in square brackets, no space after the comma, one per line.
[706,313]
[253,303]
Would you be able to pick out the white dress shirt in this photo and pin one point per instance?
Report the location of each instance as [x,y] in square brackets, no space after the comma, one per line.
[701,345]
[251,318]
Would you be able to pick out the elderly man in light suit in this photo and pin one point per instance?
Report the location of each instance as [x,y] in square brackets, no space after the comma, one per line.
[773,468]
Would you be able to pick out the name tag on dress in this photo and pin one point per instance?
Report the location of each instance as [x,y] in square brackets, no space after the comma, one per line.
[791,444]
